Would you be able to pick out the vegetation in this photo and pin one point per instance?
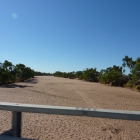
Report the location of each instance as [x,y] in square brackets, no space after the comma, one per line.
[38,73]
[115,76]
[134,76]
[88,74]
[10,73]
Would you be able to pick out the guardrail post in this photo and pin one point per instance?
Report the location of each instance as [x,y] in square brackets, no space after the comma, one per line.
[16,124]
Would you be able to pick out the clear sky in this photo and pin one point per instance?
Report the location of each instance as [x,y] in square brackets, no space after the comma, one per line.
[69,35]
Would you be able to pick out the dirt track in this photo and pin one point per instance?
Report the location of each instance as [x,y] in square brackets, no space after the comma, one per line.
[66,92]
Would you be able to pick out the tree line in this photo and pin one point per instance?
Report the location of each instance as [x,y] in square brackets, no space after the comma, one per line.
[38,73]
[115,75]
[10,73]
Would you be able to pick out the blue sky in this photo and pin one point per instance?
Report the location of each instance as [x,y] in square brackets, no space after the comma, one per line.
[69,35]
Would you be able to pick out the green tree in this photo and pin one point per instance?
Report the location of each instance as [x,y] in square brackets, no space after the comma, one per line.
[136,72]
[114,76]
[78,74]
[4,76]
[128,61]
[90,75]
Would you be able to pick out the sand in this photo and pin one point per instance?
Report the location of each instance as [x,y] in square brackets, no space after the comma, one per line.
[49,90]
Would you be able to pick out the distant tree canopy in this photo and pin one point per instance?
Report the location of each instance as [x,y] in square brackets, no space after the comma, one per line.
[10,73]
[70,75]
[112,75]
[38,73]
[88,74]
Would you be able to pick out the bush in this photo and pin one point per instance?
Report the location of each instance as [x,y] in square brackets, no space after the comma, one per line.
[138,87]
[10,73]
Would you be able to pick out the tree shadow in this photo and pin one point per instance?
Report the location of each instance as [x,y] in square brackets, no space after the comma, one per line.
[14,86]
[31,81]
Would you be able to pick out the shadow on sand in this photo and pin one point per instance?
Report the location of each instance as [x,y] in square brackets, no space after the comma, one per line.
[14,86]
[32,81]
[19,85]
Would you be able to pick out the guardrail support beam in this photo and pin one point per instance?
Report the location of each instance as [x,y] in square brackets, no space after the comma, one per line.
[16,124]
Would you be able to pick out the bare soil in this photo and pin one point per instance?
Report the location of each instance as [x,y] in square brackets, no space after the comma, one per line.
[49,90]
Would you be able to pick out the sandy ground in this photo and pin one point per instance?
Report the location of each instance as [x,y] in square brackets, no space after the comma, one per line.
[49,90]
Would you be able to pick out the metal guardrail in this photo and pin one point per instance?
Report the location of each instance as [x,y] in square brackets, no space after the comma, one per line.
[17,108]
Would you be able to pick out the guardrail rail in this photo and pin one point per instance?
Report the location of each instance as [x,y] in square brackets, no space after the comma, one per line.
[18,108]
